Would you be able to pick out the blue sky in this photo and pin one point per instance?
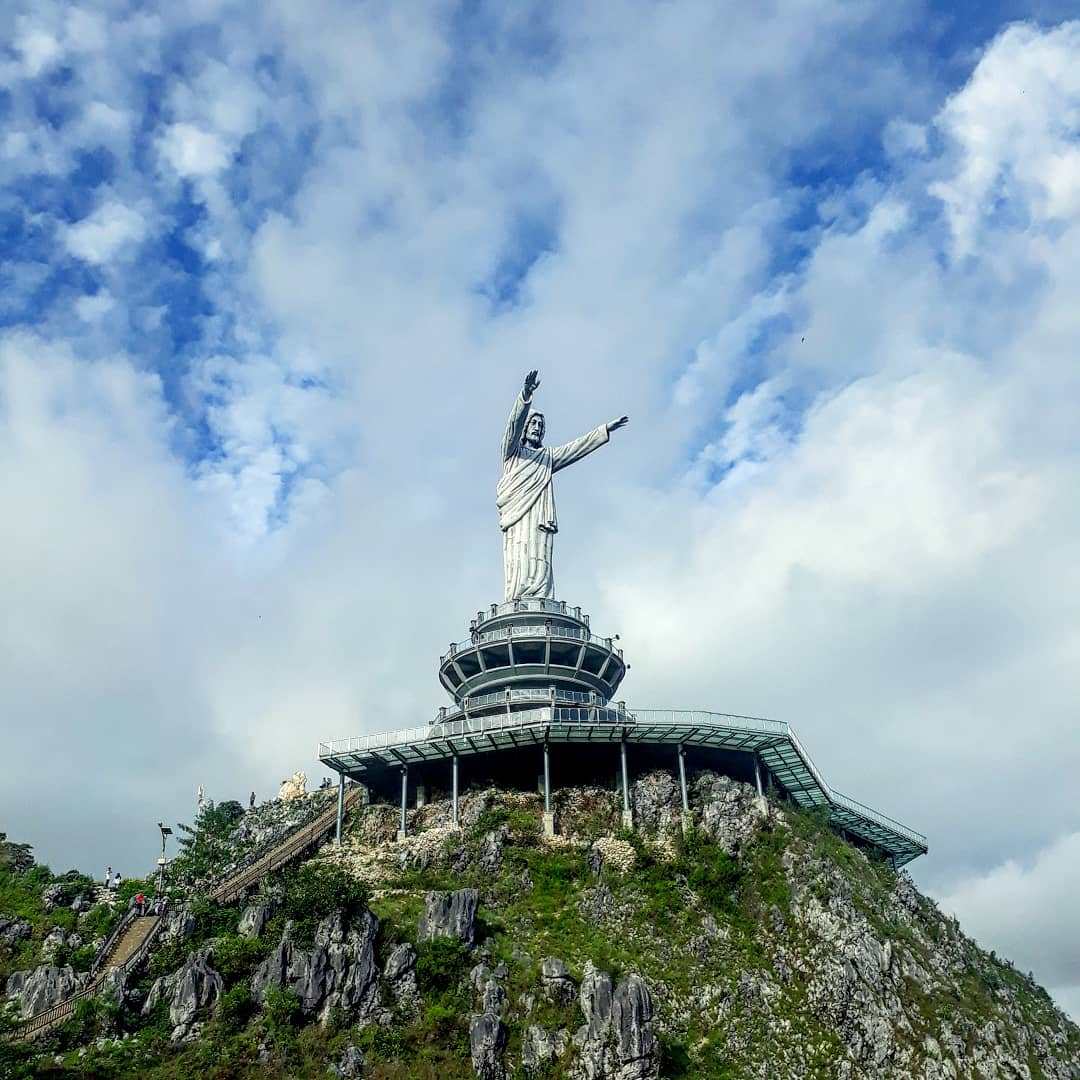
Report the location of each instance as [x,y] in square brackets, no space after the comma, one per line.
[271,277]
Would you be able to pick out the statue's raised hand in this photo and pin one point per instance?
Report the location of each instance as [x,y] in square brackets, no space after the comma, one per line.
[614,425]
[532,381]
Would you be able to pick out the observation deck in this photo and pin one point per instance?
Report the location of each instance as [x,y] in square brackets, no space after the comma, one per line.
[526,651]
[532,679]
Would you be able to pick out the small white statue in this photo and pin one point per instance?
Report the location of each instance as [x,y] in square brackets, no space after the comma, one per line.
[200,797]
[293,788]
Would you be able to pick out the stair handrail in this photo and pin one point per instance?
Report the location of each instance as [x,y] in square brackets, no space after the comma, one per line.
[228,890]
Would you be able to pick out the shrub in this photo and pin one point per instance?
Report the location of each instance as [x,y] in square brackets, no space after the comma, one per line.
[235,1008]
[235,957]
[440,965]
[282,1010]
[315,891]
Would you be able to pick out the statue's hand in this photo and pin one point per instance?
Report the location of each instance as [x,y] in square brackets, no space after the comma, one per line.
[532,381]
[614,425]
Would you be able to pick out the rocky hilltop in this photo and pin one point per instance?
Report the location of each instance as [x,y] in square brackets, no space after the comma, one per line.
[747,941]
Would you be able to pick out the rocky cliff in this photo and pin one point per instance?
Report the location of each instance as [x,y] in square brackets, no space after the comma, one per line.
[749,941]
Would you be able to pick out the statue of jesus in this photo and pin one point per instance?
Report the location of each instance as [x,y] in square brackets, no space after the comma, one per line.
[525,498]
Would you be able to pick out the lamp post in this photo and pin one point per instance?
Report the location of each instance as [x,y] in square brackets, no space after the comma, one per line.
[165,832]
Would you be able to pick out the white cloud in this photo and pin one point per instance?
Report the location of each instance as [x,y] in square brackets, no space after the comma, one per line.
[846,495]
[193,152]
[1025,911]
[110,230]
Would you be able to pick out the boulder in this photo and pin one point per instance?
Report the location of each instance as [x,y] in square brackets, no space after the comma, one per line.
[338,971]
[636,1046]
[256,915]
[42,987]
[556,982]
[617,1041]
[55,942]
[400,976]
[12,931]
[539,1047]
[487,1043]
[178,924]
[450,915]
[350,1065]
[194,988]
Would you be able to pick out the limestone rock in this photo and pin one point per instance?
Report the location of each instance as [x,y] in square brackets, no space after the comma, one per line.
[556,981]
[487,1044]
[295,787]
[450,915]
[178,924]
[337,971]
[256,915]
[350,1065]
[400,976]
[12,931]
[539,1047]
[617,1041]
[193,989]
[42,987]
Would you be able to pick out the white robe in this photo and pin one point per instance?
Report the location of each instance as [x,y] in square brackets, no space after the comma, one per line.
[526,504]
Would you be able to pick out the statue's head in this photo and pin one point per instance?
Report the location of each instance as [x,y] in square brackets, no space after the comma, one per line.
[534,430]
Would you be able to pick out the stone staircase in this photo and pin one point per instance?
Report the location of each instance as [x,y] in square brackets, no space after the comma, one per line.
[131,940]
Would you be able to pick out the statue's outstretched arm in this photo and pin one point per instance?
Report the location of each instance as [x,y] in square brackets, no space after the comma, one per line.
[576,449]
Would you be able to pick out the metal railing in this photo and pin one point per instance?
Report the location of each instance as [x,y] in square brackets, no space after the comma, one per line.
[516,607]
[293,844]
[528,693]
[480,725]
[48,1018]
[531,630]
[682,718]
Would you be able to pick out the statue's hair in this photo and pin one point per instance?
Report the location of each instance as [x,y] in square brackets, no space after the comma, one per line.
[532,413]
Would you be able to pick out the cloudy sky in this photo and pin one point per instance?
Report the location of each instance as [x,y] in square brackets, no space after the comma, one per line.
[271,276]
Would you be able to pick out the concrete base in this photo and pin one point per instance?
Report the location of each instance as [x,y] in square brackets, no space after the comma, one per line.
[687,821]
[628,819]
[549,823]
[400,835]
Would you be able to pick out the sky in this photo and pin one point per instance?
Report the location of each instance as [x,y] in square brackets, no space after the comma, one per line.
[270,278]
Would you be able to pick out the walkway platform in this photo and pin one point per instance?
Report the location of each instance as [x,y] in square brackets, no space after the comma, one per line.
[771,744]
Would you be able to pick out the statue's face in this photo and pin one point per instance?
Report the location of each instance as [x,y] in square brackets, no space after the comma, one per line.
[534,431]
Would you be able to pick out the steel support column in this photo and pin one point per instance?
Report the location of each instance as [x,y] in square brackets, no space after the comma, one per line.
[455,789]
[547,779]
[757,775]
[549,816]
[627,814]
[340,806]
[682,779]
[404,798]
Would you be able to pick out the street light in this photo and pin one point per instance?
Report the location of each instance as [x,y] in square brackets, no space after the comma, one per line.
[165,832]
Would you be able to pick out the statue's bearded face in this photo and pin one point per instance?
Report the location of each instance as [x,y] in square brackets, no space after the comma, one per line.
[534,431]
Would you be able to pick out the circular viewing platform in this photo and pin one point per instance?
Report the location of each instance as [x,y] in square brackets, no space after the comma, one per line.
[528,651]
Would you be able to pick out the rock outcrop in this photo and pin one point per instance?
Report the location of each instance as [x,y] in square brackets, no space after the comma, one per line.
[189,992]
[400,976]
[338,971]
[450,914]
[12,931]
[42,987]
[487,1046]
[617,1041]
